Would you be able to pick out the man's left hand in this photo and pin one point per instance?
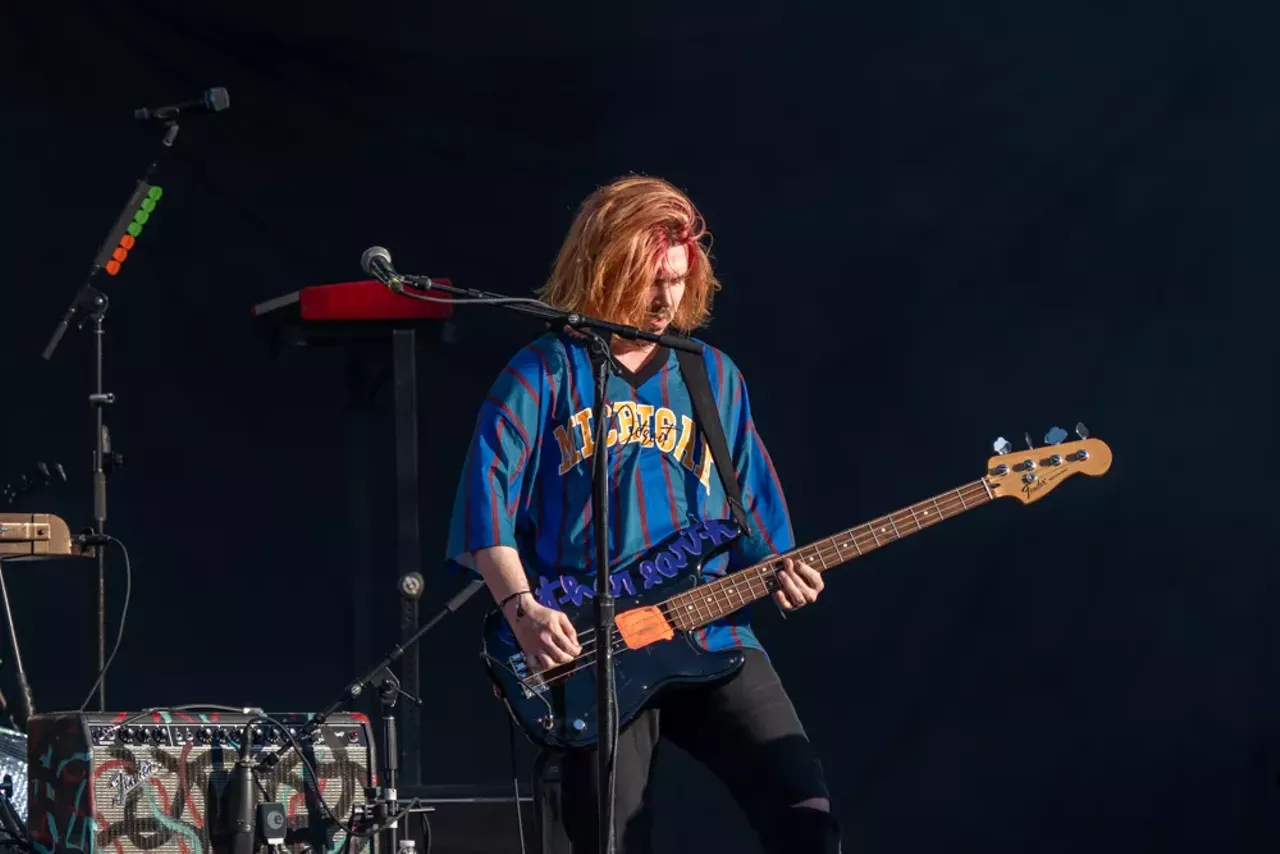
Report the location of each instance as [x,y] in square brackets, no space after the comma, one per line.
[800,582]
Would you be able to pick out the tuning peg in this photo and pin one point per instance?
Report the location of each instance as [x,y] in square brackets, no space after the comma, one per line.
[1055,436]
[1002,446]
[1027,436]
[1082,431]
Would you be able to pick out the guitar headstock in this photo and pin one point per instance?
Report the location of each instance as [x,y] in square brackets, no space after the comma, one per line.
[1032,474]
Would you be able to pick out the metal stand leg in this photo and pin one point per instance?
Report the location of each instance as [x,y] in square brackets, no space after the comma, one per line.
[359,415]
[404,353]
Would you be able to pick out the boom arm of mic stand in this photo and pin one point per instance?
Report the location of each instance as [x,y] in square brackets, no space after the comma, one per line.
[535,308]
[357,688]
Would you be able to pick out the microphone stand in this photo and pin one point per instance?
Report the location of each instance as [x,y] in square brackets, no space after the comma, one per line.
[386,799]
[602,361]
[26,703]
[93,304]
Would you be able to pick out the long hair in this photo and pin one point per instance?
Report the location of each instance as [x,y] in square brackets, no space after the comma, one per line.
[608,259]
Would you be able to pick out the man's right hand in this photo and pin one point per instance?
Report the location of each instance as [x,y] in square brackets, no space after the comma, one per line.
[546,636]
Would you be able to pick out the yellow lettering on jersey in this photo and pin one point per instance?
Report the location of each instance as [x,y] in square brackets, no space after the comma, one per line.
[582,420]
[611,435]
[644,425]
[626,414]
[664,422]
[637,423]
[704,467]
[684,447]
[569,456]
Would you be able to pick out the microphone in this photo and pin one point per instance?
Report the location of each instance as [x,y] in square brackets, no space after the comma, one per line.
[210,101]
[376,261]
[237,830]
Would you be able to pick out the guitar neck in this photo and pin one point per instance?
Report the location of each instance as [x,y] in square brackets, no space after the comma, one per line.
[709,602]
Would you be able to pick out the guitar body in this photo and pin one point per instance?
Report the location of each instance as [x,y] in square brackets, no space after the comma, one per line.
[557,709]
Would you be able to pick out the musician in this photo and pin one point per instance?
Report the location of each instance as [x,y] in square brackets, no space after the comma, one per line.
[636,254]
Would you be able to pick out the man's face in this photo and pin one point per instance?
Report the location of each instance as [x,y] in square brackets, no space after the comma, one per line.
[667,289]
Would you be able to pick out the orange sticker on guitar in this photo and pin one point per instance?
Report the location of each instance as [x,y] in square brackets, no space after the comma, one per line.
[642,626]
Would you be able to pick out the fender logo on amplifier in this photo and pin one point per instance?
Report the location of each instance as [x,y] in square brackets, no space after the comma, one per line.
[124,782]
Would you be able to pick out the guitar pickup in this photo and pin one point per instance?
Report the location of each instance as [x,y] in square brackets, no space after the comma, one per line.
[532,684]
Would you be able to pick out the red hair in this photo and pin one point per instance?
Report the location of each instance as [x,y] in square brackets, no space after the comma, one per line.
[614,249]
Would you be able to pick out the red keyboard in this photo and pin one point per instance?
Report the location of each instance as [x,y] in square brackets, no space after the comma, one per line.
[355,301]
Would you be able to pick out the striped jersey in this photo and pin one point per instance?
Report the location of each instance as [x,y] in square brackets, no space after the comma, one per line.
[526,480]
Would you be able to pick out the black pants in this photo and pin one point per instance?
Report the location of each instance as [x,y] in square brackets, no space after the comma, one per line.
[746,732]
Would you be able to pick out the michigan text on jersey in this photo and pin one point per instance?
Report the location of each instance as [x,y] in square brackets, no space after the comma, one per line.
[640,423]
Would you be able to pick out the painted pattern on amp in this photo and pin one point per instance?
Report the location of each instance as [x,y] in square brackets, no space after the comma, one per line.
[93,791]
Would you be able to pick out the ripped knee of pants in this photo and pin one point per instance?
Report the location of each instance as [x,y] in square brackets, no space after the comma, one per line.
[807,827]
[818,804]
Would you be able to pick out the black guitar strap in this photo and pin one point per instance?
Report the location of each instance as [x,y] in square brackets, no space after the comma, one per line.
[694,370]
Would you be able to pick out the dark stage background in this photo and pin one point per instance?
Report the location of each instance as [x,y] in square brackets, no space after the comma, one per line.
[936,224]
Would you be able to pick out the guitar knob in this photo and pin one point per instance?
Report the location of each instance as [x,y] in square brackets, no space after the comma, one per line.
[1028,478]
[1055,460]
[1002,446]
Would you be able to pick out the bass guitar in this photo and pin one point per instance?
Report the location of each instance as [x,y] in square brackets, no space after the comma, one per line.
[661,599]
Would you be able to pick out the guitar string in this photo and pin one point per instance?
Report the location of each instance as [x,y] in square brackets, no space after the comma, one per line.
[823,552]
[586,658]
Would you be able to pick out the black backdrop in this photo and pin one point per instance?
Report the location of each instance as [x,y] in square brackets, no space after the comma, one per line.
[936,223]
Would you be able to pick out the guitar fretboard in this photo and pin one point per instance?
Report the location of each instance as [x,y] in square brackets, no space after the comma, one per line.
[709,602]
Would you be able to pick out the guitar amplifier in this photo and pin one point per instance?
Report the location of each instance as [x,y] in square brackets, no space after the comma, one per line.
[121,782]
[13,768]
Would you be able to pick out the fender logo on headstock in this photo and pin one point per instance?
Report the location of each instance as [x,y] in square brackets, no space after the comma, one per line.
[1041,482]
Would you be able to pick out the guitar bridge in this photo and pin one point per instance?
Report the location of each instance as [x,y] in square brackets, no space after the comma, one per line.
[531,683]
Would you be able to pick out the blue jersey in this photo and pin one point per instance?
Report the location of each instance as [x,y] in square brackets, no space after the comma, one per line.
[526,481]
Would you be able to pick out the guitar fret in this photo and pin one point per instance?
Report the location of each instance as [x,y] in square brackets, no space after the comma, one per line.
[709,602]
